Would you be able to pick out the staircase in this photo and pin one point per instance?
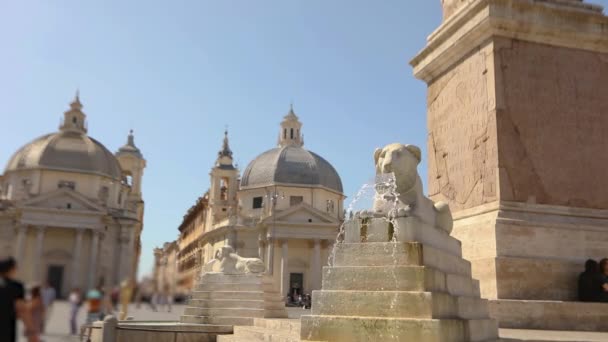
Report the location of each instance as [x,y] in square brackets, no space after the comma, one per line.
[416,287]
[233,300]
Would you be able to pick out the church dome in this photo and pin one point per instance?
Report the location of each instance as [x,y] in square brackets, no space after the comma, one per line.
[66,151]
[290,163]
[70,149]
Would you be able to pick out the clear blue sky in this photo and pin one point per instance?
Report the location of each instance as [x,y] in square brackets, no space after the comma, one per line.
[177,72]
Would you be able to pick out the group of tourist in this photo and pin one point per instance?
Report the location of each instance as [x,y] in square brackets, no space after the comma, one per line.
[593,282]
[32,307]
[299,300]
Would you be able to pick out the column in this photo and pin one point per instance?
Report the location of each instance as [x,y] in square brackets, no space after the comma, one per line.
[270,258]
[38,254]
[20,245]
[127,249]
[261,246]
[284,268]
[93,258]
[316,266]
[76,275]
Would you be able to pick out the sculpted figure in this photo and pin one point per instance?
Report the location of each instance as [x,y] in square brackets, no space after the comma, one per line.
[228,262]
[402,161]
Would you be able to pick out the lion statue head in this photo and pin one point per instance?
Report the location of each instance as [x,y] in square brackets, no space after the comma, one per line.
[407,197]
[401,160]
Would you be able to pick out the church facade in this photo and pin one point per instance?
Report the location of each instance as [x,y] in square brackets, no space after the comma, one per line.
[286,209]
[71,211]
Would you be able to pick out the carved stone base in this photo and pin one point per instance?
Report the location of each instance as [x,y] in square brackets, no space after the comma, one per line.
[233,300]
[398,291]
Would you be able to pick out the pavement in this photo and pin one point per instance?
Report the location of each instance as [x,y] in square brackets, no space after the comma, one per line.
[58,328]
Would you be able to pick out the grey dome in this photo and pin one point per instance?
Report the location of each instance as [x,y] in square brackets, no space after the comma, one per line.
[291,165]
[69,151]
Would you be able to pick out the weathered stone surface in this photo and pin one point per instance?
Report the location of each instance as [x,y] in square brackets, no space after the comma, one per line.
[541,244]
[400,304]
[352,329]
[516,142]
[462,146]
[552,143]
[411,229]
[169,331]
[275,330]
[550,315]
[399,254]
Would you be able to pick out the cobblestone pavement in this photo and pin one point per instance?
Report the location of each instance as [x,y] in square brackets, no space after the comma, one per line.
[58,325]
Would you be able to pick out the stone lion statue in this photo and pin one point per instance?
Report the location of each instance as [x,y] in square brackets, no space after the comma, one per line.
[402,161]
[228,262]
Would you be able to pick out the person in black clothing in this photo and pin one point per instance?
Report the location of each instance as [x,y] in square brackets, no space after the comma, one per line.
[589,286]
[603,281]
[12,303]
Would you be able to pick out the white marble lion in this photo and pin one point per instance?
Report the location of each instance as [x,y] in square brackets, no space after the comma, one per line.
[228,262]
[402,161]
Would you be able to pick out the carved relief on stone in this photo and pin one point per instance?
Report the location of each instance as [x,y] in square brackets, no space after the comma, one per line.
[462,143]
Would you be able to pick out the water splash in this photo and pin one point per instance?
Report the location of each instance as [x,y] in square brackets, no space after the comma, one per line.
[362,194]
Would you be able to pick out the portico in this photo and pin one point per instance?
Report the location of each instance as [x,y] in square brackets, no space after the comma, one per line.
[73,250]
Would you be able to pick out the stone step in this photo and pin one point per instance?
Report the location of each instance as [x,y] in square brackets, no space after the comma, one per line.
[226,338]
[291,325]
[355,329]
[397,278]
[397,304]
[254,333]
[216,320]
[236,303]
[398,254]
[219,312]
[233,287]
[244,295]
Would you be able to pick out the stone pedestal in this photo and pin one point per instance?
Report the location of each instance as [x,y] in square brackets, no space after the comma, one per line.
[516,121]
[412,286]
[227,299]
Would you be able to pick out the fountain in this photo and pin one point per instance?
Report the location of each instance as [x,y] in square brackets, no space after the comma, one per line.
[397,274]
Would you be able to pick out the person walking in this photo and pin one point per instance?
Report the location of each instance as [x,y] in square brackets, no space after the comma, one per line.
[94,305]
[48,298]
[35,309]
[75,300]
[12,302]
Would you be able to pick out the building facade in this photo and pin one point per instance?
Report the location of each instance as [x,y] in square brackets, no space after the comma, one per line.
[285,209]
[165,270]
[189,256]
[71,212]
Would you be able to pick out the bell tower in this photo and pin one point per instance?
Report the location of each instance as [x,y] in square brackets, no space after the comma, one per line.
[224,184]
[290,130]
[74,120]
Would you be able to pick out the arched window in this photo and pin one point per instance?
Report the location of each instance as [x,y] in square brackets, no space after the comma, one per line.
[285,133]
[74,120]
[292,133]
